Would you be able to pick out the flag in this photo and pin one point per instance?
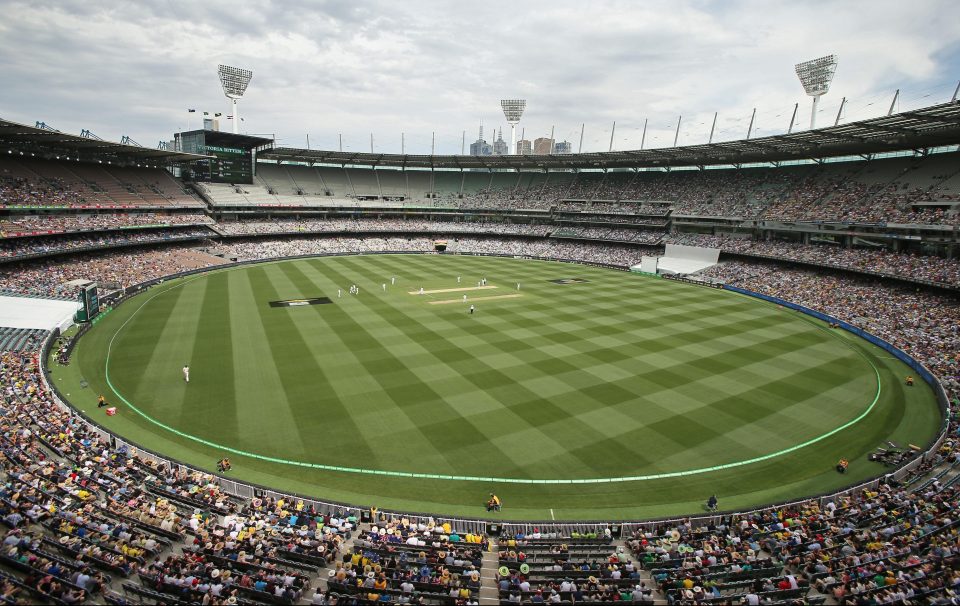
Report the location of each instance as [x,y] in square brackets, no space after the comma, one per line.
[217,115]
[191,111]
[206,113]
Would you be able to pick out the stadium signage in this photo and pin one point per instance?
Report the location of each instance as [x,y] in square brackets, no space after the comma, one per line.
[300,302]
[222,150]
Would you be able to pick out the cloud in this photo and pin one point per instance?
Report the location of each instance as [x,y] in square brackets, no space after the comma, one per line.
[419,67]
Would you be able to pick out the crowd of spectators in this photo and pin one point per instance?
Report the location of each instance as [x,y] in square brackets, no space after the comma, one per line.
[894,544]
[39,245]
[84,222]
[611,254]
[82,513]
[838,193]
[925,268]
[83,185]
[647,237]
[120,269]
[19,191]
[268,226]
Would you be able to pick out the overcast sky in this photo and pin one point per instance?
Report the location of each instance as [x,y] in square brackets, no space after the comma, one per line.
[323,68]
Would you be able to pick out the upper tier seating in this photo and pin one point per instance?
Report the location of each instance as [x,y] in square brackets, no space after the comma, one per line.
[37,182]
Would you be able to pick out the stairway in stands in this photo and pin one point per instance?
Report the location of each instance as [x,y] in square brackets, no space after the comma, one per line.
[488,576]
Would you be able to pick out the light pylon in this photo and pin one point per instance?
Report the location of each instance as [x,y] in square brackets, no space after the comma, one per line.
[512,110]
[816,76]
[234,81]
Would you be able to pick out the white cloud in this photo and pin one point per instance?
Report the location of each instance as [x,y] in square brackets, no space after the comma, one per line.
[418,67]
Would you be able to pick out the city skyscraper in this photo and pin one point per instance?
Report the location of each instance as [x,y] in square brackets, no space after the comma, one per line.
[542,146]
[480,147]
[500,147]
[524,147]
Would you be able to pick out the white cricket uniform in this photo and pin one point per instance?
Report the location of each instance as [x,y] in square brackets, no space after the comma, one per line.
[186,374]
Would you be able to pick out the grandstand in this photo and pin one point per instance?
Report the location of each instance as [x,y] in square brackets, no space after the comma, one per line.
[869,240]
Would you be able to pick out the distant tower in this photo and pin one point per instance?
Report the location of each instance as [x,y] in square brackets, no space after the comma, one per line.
[500,146]
[512,110]
[234,82]
[816,76]
[480,147]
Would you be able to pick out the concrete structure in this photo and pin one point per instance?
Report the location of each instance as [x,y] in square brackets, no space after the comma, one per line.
[542,146]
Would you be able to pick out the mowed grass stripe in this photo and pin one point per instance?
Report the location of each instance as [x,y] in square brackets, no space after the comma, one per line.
[440,428]
[696,337]
[378,400]
[505,360]
[487,372]
[157,349]
[461,432]
[262,407]
[212,363]
[314,407]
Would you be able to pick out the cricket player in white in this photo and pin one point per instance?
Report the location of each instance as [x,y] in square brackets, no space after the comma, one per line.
[384,285]
[464,298]
[186,373]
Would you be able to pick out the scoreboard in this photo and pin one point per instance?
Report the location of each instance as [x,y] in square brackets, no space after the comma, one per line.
[229,165]
[229,157]
[90,303]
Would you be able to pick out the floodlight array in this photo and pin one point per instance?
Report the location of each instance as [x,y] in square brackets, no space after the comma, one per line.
[234,80]
[816,75]
[513,109]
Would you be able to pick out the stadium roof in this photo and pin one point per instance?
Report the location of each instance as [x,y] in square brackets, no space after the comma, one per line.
[226,139]
[20,137]
[924,128]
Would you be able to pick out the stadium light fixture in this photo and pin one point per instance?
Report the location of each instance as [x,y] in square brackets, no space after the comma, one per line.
[234,81]
[512,110]
[816,76]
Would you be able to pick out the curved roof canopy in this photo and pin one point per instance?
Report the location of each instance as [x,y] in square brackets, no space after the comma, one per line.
[918,129]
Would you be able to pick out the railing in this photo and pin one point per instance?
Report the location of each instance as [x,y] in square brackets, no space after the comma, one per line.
[480,525]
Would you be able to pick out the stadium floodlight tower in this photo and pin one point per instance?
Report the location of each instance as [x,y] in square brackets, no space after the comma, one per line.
[816,76]
[512,110]
[234,82]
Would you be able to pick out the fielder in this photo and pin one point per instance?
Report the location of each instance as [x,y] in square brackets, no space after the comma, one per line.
[186,372]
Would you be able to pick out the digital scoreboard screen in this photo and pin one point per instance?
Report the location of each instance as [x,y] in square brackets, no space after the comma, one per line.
[90,303]
[229,165]
[229,156]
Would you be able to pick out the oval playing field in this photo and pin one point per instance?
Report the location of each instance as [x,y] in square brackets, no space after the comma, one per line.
[573,392]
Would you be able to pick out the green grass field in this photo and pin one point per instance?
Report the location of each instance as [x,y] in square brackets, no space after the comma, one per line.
[619,376]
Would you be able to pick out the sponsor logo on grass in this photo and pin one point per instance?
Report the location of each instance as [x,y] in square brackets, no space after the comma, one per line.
[299,302]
